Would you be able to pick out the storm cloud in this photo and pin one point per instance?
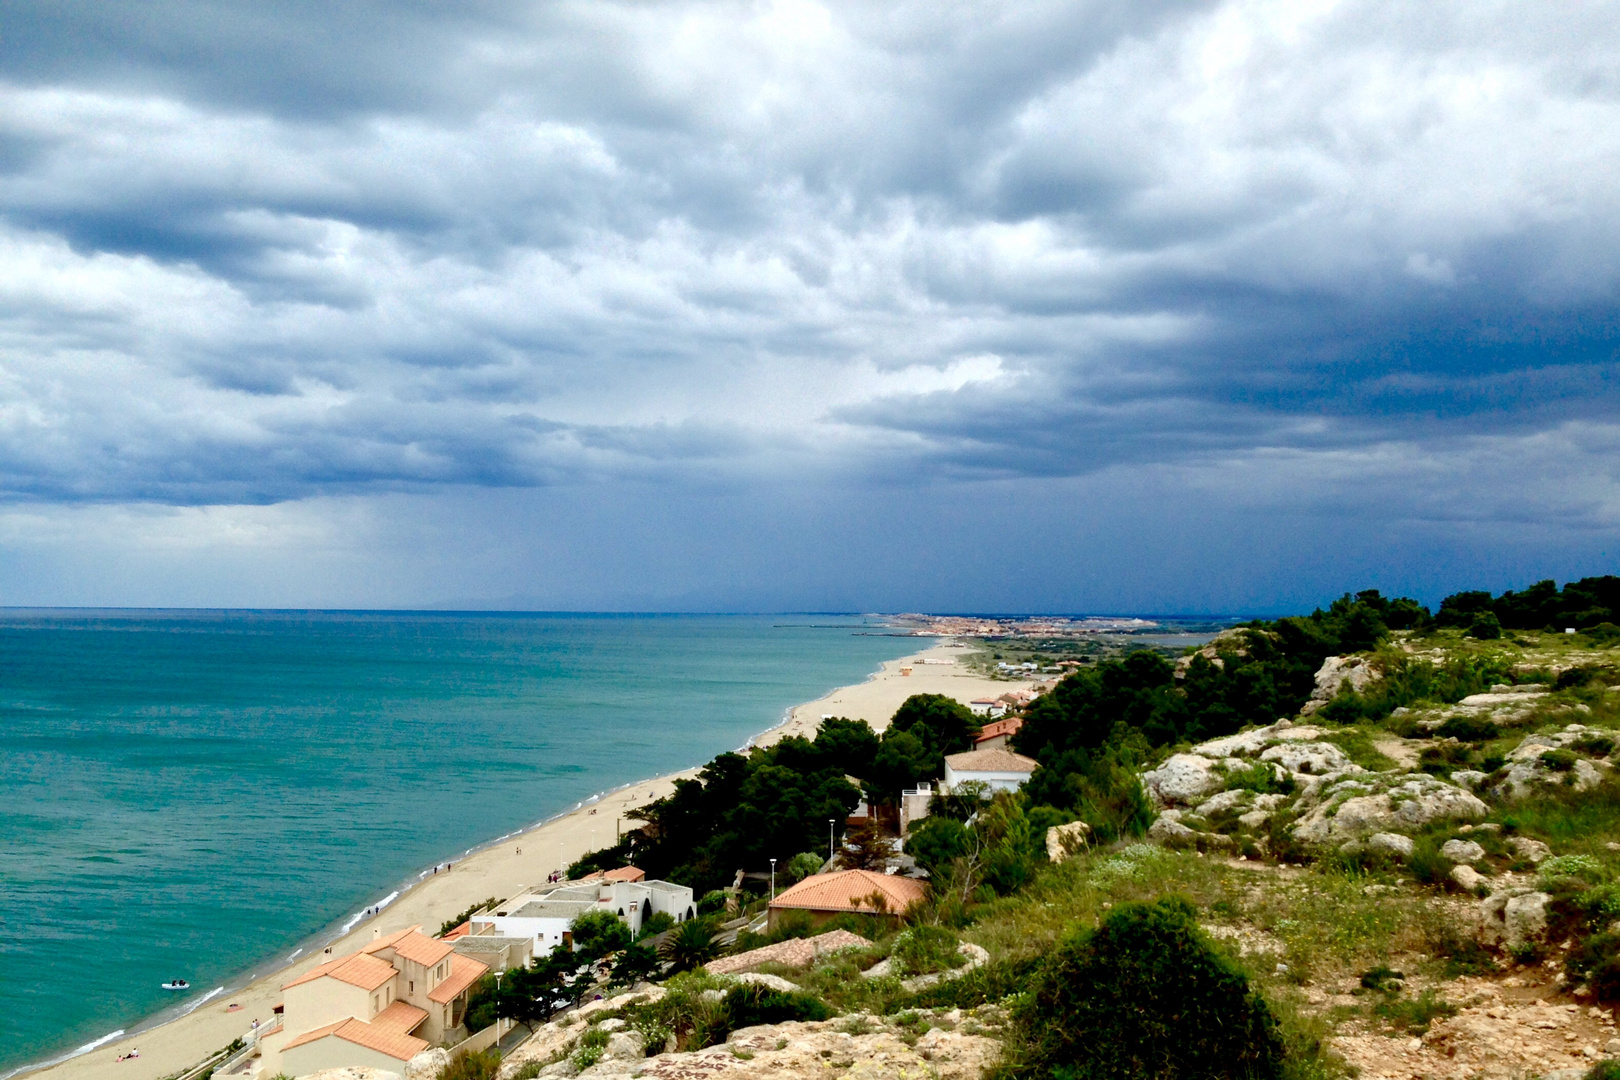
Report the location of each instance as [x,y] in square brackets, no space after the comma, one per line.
[1268,259]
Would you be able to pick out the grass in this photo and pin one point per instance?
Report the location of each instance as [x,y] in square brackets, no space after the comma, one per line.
[1413,1015]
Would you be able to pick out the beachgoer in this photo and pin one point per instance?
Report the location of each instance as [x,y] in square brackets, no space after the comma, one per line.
[520,851]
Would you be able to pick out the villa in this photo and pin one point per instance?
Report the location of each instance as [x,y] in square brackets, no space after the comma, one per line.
[378,1007]
[995,735]
[864,892]
[545,915]
[999,769]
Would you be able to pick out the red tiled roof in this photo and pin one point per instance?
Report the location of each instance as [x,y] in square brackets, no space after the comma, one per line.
[459,932]
[849,890]
[1008,726]
[395,1044]
[356,969]
[401,1016]
[412,944]
[464,971]
[994,759]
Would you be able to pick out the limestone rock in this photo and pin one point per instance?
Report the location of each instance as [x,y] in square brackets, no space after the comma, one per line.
[813,1051]
[1354,808]
[1336,673]
[1462,851]
[1251,743]
[1531,851]
[774,982]
[1223,802]
[1183,780]
[1527,771]
[352,1072]
[625,1046]
[1469,778]
[611,1024]
[1513,918]
[1065,840]
[1311,758]
[1392,844]
[1172,833]
[1466,877]
[428,1064]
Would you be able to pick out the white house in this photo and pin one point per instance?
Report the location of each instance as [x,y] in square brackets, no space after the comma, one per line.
[998,768]
[986,707]
[546,915]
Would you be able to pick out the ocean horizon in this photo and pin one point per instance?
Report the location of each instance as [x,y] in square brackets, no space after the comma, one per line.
[198,793]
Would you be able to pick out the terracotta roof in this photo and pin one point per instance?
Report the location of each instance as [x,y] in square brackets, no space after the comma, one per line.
[459,932]
[464,971]
[356,969]
[412,944]
[401,1016]
[992,760]
[847,889]
[1008,726]
[625,873]
[395,1044]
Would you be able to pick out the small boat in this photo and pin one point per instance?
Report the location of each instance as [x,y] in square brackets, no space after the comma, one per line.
[178,984]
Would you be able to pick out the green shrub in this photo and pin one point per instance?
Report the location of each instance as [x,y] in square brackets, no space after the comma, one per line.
[1260,778]
[1604,1070]
[1560,872]
[1414,1015]
[985,985]
[1559,760]
[476,1065]
[528,1070]
[750,1005]
[692,944]
[589,1050]
[712,902]
[1381,977]
[1486,627]
[1596,962]
[1596,745]
[922,950]
[1467,729]
[1427,865]
[1143,995]
[598,933]
[803,865]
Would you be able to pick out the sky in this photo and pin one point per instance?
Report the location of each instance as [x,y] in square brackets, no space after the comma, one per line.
[1221,307]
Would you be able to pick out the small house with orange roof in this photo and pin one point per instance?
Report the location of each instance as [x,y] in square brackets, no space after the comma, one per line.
[998,769]
[848,892]
[995,734]
[378,1007]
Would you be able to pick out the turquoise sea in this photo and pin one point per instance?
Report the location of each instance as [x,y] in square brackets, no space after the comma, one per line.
[199,793]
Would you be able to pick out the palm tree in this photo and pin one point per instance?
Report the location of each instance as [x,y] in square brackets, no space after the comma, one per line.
[691,944]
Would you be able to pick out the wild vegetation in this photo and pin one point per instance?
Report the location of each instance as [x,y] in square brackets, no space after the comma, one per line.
[1236,943]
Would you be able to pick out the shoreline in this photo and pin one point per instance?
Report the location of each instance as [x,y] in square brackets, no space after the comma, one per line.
[499,867]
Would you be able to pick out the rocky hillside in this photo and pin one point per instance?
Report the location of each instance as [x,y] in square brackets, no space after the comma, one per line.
[1428,888]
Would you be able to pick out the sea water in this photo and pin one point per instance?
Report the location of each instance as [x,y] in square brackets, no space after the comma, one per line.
[194,794]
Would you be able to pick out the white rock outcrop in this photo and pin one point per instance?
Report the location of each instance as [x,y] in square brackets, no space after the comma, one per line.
[428,1064]
[1063,841]
[1355,807]
[1462,851]
[1336,673]
[1392,844]
[1513,918]
[1183,780]
[1311,758]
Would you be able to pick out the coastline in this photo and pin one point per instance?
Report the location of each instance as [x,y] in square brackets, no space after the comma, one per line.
[500,867]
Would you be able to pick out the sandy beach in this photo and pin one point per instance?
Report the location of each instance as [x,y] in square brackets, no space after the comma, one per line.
[503,870]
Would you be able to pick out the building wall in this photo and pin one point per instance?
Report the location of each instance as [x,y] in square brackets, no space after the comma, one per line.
[334,1053]
[325,1001]
[997,781]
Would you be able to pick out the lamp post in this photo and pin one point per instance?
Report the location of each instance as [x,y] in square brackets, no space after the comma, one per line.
[830,823]
[773,879]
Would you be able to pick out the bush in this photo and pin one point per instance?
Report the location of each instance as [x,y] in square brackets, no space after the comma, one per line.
[803,865]
[712,902]
[1467,729]
[1143,995]
[750,1005]
[1597,963]
[985,985]
[598,933]
[656,923]
[1559,760]
[691,945]
[1414,1015]
[477,1065]
[1486,627]
[922,950]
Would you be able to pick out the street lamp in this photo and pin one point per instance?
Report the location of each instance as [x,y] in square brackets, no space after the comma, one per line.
[830,823]
[773,880]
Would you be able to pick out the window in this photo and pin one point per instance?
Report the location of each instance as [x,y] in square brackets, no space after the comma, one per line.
[410,987]
[373,1002]
[389,994]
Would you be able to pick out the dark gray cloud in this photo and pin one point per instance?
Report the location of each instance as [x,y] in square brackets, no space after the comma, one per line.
[269,253]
